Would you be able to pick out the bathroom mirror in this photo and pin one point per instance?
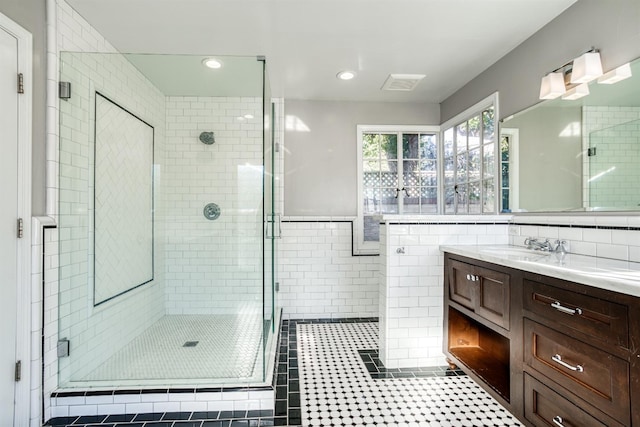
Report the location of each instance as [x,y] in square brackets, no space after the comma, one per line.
[575,155]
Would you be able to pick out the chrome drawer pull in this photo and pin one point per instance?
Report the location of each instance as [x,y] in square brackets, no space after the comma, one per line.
[567,310]
[557,420]
[558,359]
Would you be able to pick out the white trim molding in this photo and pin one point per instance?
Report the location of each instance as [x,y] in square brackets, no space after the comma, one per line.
[474,110]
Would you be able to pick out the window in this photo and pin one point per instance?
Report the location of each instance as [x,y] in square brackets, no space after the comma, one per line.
[509,170]
[397,174]
[469,161]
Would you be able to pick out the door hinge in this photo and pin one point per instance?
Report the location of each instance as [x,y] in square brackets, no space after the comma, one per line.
[277,147]
[63,348]
[20,228]
[20,83]
[18,370]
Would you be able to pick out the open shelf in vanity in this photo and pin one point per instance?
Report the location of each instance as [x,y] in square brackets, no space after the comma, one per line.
[482,350]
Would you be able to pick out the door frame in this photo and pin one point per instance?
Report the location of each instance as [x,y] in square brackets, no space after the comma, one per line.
[22,408]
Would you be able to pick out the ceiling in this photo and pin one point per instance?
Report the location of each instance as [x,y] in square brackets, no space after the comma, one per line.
[307,42]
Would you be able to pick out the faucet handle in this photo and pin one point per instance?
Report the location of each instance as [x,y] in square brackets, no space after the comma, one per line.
[561,246]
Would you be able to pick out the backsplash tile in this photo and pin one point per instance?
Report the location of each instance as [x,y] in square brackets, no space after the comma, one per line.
[607,236]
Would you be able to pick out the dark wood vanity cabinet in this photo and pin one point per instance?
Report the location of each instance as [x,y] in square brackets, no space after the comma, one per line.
[478,324]
[561,353]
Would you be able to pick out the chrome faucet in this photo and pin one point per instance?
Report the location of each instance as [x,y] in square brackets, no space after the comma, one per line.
[534,244]
[546,246]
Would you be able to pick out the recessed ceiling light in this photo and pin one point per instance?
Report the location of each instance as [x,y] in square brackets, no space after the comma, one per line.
[346,75]
[212,63]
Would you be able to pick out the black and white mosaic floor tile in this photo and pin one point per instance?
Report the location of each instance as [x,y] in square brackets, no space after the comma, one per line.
[336,388]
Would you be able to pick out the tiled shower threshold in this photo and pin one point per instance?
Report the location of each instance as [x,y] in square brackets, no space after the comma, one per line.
[286,385]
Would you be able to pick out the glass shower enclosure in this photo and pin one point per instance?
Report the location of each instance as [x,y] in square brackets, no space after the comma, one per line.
[166,221]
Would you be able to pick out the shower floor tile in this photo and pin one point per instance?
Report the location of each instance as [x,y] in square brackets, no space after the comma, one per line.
[189,347]
[336,388]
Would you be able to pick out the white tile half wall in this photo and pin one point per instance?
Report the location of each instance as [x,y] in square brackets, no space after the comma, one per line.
[411,281]
[319,276]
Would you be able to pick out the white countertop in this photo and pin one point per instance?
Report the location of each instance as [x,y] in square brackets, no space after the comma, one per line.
[603,273]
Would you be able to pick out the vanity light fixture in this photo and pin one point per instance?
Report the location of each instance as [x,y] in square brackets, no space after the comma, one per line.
[346,75]
[577,92]
[586,67]
[212,63]
[616,75]
[578,72]
[552,86]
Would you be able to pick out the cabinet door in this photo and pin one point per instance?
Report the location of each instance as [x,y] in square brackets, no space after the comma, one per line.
[492,296]
[461,287]
[482,290]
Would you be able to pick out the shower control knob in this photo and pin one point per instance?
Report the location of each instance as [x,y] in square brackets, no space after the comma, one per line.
[211,211]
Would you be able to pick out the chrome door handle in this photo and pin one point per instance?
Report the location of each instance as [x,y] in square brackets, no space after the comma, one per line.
[567,310]
[557,420]
[558,359]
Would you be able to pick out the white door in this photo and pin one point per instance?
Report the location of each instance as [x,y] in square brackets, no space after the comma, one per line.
[8,218]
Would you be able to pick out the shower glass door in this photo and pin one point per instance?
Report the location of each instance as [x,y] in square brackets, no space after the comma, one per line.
[165,277]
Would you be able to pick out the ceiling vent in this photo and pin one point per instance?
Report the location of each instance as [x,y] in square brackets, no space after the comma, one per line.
[403,82]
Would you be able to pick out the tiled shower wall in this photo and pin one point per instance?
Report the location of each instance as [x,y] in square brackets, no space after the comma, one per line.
[613,131]
[411,282]
[213,266]
[319,277]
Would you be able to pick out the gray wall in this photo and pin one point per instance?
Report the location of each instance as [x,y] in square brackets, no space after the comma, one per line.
[613,26]
[31,15]
[320,163]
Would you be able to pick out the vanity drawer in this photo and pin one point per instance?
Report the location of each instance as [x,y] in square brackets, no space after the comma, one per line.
[485,291]
[604,320]
[599,378]
[545,407]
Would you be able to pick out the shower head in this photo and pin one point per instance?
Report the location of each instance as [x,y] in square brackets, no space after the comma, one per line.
[207,138]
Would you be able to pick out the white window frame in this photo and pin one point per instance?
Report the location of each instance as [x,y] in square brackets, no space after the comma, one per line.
[360,246]
[474,110]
